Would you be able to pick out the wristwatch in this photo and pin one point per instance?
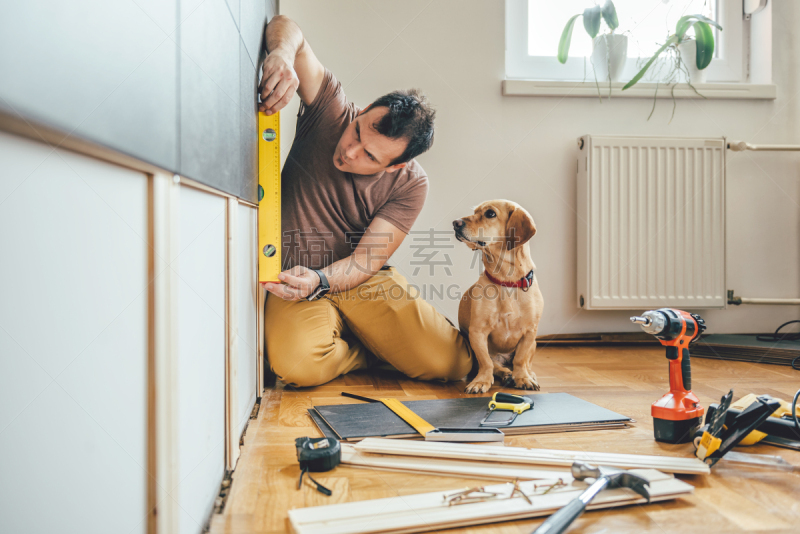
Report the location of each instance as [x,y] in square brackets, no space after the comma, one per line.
[322,289]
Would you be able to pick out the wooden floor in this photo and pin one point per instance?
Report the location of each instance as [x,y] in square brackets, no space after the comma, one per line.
[624,379]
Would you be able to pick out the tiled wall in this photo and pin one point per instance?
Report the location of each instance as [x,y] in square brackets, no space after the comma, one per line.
[170,82]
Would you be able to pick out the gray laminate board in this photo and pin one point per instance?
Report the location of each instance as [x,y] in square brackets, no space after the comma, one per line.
[559,411]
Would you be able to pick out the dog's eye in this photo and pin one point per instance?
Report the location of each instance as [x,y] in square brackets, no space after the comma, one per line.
[490,214]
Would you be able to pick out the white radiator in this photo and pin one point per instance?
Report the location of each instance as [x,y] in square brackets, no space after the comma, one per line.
[651,223]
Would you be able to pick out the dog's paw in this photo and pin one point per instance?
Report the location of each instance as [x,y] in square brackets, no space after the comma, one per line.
[504,376]
[526,382]
[480,384]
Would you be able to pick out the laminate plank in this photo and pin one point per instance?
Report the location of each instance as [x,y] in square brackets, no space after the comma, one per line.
[436,451]
[456,468]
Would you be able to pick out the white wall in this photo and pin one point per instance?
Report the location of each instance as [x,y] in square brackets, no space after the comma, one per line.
[73,342]
[523,148]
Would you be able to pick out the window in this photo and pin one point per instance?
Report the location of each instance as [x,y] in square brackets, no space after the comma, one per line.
[533,30]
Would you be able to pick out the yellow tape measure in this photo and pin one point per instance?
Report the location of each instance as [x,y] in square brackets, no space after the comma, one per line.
[419,424]
[269,197]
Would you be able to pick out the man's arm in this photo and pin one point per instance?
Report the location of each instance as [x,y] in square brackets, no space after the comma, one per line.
[290,66]
[375,247]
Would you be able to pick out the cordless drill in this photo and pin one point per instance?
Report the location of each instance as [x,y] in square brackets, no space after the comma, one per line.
[676,415]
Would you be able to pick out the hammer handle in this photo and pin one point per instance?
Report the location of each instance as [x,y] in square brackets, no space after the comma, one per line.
[562,519]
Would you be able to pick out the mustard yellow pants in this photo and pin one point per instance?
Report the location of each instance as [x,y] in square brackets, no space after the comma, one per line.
[382,320]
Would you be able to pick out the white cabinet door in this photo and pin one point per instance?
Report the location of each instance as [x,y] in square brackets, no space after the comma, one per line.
[201,358]
[73,342]
[247,303]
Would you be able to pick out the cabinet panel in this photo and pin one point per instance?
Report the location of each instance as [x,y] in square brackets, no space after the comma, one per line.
[201,354]
[73,342]
[247,302]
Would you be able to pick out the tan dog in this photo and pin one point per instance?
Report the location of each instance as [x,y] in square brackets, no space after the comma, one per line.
[500,313]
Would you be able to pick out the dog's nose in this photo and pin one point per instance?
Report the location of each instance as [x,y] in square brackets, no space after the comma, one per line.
[458,223]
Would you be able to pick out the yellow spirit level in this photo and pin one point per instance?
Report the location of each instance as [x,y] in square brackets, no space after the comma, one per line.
[269,197]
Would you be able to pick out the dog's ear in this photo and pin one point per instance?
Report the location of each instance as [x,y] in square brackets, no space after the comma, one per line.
[519,228]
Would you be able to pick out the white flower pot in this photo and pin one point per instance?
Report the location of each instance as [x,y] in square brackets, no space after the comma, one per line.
[688,50]
[609,54]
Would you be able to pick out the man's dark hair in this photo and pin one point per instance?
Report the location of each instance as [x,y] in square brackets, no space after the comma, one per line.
[409,117]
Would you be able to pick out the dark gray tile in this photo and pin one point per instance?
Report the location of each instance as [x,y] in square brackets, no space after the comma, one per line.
[248,125]
[109,77]
[210,94]
[209,40]
[209,130]
[163,13]
[254,19]
[140,116]
[234,7]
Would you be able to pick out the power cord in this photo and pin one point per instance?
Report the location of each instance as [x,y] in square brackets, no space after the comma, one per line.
[794,411]
[788,336]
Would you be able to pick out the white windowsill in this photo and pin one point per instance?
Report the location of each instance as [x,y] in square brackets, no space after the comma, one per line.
[719,90]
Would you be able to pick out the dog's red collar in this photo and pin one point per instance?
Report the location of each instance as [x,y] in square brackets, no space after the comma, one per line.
[525,282]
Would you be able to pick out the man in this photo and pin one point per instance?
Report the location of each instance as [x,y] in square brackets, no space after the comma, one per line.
[351,192]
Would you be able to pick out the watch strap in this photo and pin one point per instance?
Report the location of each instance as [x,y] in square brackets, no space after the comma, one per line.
[322,289]
[323,280]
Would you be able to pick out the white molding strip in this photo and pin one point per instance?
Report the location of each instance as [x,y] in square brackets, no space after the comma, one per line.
[232,346]
[260,335]
[711,91]
[163,356]
[519,455]
[431,511]
[448,467]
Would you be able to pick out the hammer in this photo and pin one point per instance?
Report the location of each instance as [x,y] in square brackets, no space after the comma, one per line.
[605,478]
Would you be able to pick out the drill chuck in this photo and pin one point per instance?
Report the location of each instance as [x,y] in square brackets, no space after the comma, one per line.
[652,322]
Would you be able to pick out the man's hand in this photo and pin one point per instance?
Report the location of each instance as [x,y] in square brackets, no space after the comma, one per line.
[290,67]
[298,283]
[279,82]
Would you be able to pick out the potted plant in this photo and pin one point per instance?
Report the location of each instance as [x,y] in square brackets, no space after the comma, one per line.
[681,48]
[609,50]
[688,50]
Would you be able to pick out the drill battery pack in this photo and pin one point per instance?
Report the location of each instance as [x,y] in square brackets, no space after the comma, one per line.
[680,431]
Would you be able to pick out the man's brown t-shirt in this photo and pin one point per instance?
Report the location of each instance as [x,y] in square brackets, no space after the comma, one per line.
[325,211]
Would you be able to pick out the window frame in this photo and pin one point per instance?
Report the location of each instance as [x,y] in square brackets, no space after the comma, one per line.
[520,66]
